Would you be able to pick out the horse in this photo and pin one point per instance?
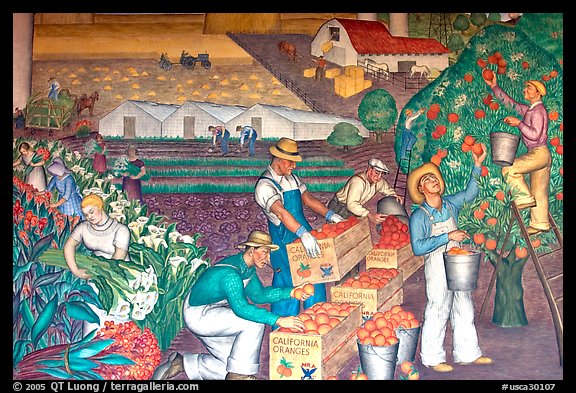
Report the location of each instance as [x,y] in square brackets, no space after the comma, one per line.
[380,67]
[422,69]
[86,102]
[288,48]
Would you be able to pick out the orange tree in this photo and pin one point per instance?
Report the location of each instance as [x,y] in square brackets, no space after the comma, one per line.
[463,112]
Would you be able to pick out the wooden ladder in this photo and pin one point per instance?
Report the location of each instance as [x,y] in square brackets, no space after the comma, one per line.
[400,179]
[545,280]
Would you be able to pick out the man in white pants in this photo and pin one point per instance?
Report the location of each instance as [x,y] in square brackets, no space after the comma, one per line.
[219,314]
[433,230]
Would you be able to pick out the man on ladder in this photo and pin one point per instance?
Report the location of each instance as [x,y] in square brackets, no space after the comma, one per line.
[537,161]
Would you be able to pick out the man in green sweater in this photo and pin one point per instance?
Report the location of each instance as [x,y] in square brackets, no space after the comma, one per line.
[219,313]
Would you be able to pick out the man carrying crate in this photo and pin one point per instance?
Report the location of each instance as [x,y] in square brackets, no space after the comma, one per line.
[282,196]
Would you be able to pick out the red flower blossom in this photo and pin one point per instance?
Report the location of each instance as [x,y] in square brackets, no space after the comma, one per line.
[17,209]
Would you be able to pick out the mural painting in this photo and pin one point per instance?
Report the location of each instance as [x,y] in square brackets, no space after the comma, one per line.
[298,197]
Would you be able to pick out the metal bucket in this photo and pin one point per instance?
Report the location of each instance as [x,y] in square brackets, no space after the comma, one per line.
[390,206]
[462,271]
[408,341]
[504,147]
[378,362]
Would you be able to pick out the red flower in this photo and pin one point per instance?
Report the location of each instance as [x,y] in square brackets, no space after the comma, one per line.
[17,209]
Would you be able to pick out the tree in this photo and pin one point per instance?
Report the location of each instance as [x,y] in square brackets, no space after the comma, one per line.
[346,135]
[378,112]
[455,42]
[494,17]
[461,23]
[478,19]
[451,99]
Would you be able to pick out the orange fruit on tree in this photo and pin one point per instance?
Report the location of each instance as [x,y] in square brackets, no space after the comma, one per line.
[436,159]
[536,243]
[479,114]
[553,115]
[453,117]
[484,205]
[492,221]
[477,149]
[490,244]
[466,147]
[468,77]
[479,214]
[521,252]
[500,195]
[469,140]
[479,238]
[560,149]
[487,73]
[494,106]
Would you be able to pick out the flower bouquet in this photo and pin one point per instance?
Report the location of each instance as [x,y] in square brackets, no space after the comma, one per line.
[125,289]
[92,147]
[42,154]
[114,352]
[122,165]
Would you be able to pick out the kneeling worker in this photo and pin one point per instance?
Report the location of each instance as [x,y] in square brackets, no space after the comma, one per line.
[218,312]
[359,190]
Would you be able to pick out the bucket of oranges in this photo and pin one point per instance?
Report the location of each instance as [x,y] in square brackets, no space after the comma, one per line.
[462,268]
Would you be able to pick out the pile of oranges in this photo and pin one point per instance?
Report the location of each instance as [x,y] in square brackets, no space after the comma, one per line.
[373,278]
[380,329]
[459,251]
[322,317]
[394,234]
[331,230]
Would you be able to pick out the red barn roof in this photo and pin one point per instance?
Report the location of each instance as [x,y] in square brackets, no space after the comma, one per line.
[372,37]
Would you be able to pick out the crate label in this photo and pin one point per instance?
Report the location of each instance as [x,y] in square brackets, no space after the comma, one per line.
[382,258]
[290,345]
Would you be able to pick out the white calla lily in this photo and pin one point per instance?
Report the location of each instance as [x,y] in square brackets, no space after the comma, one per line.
[175,261]
[122,309]
[138,314]
[89,175]
[137,210]
[153,229]
[186,239]
[173,236]
[158,241]
[142,220]
[195,264]
[147,240]
[99,182]
[135,228]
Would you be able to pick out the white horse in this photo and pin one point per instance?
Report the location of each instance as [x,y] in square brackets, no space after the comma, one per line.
[422,69]
[380,67]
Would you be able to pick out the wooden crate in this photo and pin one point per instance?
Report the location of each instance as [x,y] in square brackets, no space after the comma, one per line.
[325,354]
[403,259]
[372,300]
[339,255]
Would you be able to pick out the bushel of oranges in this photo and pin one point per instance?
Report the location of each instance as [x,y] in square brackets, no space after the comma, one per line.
[373,278]
[394,234]
[322,317]
[331,230]
[380,329]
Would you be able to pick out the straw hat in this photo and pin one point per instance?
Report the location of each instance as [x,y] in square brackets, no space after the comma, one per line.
[57,168]
[259,239]
[287,149]
[539,86]
[414,178]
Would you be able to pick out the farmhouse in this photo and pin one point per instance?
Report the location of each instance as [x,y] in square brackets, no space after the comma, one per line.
[134,119]
[280,121]
[193,118]
[351,42]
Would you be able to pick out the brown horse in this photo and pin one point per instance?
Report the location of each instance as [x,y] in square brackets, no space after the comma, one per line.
[288,48]
[86,102]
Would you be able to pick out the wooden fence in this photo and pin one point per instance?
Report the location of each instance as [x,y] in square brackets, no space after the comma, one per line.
[402,79]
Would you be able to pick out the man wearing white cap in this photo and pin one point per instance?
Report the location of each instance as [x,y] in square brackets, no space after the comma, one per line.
[537,161]
[359,190]
[282,196]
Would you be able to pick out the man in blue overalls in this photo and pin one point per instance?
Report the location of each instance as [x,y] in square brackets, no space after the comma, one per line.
[282,196]
[247,133]
[219,134]
[433,230]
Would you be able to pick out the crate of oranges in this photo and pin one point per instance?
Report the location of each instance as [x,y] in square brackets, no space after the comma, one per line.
[393,249]
[375,289]
[343,246]
[323,349]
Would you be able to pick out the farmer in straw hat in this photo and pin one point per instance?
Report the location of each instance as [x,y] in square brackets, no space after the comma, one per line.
[218,311]
[282,196]
[537,161]
[433,230]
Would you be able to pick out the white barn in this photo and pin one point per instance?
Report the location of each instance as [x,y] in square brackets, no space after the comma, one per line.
[136,119]
[272,121]
[352,42]
[192,119]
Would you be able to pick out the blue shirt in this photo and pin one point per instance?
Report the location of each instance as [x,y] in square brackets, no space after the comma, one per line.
[421,226]
[68,190]
[247,133]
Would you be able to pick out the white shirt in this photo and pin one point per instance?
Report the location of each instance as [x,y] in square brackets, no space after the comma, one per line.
[102,241]
[266,192]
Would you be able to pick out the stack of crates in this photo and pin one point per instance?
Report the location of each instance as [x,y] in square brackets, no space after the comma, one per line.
[352,82]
